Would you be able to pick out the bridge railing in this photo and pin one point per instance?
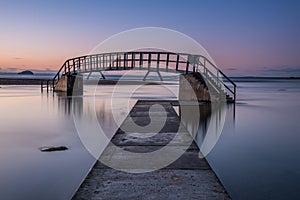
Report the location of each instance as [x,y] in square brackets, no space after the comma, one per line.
[216,77]
[151,61]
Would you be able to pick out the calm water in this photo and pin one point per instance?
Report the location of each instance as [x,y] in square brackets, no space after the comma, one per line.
[256,156]
[30,120]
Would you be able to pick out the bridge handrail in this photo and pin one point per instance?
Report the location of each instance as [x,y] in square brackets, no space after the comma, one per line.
[76,64]
[224,75]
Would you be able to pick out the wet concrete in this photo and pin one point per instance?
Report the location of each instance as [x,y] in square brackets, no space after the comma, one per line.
[188,177]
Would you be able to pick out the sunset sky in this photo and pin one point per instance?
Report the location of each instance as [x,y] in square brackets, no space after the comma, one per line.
[243,37]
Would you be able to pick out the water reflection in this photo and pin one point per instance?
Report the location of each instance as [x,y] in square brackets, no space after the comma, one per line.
[257,158]
[209,127]
[31,121]
[95,115]
[70,104]
[206,130]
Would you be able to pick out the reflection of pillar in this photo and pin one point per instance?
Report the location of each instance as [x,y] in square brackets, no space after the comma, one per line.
[189,120]
[69,104]
[208,138]
[208,127]
[77,105]
[205,115]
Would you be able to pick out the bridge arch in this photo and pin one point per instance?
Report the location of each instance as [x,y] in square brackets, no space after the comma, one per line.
[151,61]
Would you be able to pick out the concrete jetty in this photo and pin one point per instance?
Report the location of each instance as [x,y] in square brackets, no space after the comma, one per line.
[189,177]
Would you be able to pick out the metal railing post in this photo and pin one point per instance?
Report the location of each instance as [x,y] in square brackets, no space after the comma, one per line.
[73,65]
[158,59]
[141,60]
[234,89]
[177,62]
[149,61]
[132,60]
[168,57]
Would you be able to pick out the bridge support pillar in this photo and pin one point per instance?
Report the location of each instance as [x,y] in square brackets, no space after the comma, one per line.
[70,83]
[74,85]
[198,92]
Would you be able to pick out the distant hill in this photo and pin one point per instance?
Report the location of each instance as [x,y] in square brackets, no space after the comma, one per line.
[26,72]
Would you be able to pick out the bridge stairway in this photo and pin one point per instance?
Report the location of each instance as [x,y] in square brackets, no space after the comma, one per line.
[215,90]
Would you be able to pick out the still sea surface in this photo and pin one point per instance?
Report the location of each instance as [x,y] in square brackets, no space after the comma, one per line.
[256,155]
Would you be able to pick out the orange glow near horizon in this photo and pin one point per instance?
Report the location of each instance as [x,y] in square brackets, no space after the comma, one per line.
[36,60]
[243,38]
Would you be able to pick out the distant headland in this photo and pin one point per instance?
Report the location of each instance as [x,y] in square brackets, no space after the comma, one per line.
[26,72]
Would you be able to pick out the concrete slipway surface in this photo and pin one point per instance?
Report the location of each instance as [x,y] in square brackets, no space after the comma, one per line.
[189,177]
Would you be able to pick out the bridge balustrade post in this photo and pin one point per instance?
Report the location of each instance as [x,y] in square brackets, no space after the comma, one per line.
[234,95]
[167,64]
[117,60]
[110,61]
[104,61]
[177,62]
[79,64]
[132,60]
[84,63]
[97,62]
[101,61]
[149,61]
[187,67]
[124,61]
[158,59]
[69,67]
[141,60]
[73,66]
[120,60]
[90,63]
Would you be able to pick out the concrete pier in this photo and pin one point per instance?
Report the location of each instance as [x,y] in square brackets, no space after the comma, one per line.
[189,177]
[70,83]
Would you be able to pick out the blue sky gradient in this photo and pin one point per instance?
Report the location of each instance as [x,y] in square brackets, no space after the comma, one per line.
[244,37]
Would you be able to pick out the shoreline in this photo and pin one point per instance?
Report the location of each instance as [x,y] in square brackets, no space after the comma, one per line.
[22,81]
[36,81]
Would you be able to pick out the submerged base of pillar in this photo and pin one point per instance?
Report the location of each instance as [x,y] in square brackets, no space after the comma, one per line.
[70,83]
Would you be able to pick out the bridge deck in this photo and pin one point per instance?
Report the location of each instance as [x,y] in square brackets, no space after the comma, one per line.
[182,63]
[189,177]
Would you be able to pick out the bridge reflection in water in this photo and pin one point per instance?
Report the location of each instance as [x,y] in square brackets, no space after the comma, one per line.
[209,126]
[87,107]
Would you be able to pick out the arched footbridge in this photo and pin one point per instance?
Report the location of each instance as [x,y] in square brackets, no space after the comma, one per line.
[197,66]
